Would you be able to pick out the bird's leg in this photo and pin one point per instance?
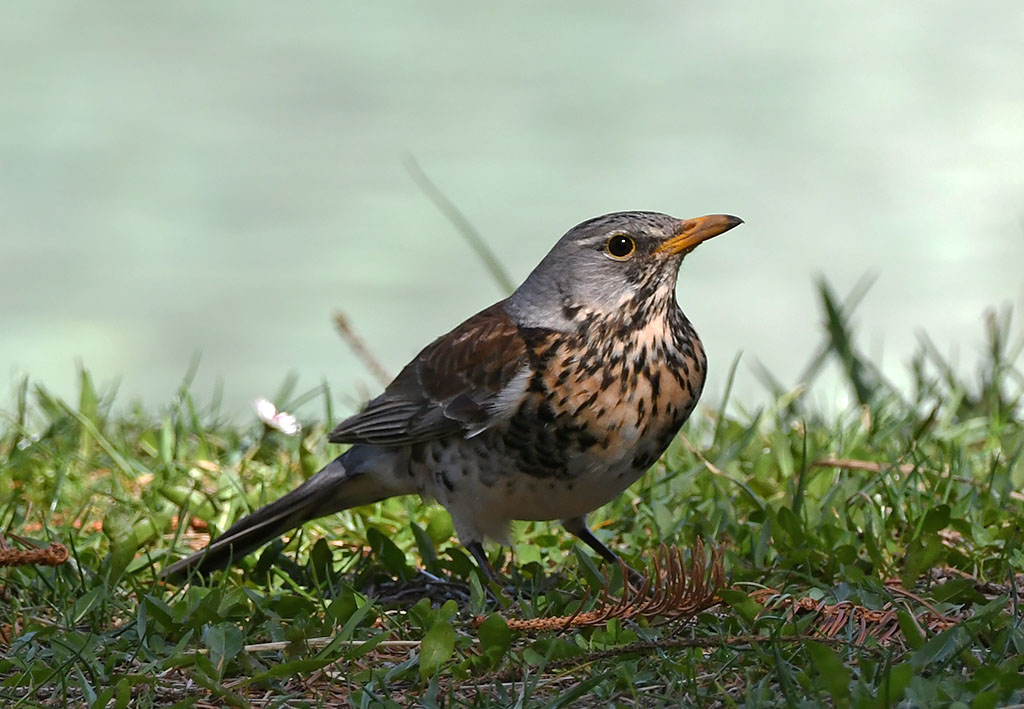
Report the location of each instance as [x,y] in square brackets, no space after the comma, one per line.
[577,526]
[495,588]
[477,550]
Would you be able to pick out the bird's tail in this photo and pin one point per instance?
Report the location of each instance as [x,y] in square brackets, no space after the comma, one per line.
[340,485]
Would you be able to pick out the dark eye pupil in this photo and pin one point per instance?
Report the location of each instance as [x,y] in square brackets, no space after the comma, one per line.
[620,246]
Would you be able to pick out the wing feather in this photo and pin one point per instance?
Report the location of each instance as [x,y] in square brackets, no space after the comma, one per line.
[459,384]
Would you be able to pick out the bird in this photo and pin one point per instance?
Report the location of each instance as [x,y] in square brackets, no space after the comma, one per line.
[544,406]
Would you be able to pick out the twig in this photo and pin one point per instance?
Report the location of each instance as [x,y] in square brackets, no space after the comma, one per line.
[320,643]
[733,642]
[871,466]
[458,219]
[700,456]
[356,344]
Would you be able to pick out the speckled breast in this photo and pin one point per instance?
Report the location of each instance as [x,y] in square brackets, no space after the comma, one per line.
[608,398]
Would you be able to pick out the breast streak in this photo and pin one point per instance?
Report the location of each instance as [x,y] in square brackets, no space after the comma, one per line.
[651,393]
[631,395]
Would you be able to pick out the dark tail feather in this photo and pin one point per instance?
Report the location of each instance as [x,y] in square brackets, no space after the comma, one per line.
[331,490]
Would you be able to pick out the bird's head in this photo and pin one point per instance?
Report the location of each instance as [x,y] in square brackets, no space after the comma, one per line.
[608,263]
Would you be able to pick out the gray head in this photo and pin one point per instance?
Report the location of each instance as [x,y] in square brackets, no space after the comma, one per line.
[607,262]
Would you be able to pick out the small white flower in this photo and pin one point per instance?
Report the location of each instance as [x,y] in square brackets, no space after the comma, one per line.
[280,420]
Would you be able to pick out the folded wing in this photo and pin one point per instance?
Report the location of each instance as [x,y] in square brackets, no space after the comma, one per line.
[461,383]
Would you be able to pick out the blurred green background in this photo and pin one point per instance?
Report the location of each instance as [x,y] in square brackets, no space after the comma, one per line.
[182,177]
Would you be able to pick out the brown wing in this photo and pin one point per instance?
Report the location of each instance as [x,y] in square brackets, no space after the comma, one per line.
[460,383]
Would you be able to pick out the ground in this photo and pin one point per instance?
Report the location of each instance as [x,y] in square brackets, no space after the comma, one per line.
[872,557]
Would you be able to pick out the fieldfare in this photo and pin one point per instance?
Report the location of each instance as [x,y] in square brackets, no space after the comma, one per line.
[544,406]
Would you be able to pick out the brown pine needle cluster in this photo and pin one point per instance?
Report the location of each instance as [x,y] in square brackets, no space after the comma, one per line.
[669,591]
[52,555]
[857,621]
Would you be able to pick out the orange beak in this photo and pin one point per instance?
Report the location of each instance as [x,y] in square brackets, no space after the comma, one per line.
[692,232]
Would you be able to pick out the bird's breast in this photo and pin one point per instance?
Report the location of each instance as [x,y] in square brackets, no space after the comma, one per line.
[610,396]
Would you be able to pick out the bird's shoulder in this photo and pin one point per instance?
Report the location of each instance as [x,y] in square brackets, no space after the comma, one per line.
[461,382]
[484,352]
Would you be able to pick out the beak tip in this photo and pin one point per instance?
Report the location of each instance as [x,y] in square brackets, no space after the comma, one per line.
[691,232]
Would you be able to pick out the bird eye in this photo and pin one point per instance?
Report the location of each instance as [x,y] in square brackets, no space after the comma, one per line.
[620,247]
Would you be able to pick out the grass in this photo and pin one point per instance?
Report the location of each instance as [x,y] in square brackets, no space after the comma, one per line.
[909,500]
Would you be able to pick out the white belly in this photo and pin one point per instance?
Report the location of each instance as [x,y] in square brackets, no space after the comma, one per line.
[483,503]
